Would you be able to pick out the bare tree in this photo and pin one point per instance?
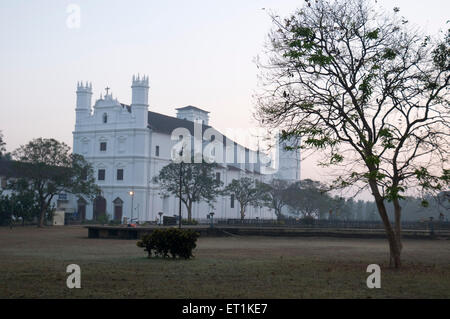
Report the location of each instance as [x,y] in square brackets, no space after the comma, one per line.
[361,85]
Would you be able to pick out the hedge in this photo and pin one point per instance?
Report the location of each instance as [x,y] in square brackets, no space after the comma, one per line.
[173,241]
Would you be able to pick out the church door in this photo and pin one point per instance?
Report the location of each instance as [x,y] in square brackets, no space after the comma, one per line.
[118,213]
[81,209]
[82,212]
[118,204]
[99,207]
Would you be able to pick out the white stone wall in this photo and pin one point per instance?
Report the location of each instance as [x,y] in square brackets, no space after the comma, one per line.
[131,146]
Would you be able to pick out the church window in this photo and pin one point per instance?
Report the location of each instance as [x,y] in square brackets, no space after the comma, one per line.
[232,201]
[157,150]
[218,176]
[120,174]
[103,146]
[101,174]
[105,118]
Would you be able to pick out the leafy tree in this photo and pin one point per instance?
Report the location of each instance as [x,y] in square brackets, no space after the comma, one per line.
[308,199]
[24,201]
[274,195]
[198,183]
[247,191]
[48,168]
[360,85]
[5,210]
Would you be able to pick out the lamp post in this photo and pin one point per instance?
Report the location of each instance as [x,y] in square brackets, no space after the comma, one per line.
[181,172]
[211,217]
[160,218]
[132,198]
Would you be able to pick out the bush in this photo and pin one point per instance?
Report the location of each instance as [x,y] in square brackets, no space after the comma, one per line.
[113,222]
[102,219]
[173,241]
[187,222]
[308,220]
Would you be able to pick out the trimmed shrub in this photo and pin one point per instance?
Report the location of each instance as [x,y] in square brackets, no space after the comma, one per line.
[187,222]
[308,220]
[174,242]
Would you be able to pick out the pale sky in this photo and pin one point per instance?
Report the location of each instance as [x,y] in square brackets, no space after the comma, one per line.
[195,52]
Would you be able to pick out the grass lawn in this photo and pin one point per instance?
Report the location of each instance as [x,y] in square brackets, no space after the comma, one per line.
[33,263]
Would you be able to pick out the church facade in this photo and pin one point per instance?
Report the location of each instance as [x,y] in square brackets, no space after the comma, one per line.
[128,145]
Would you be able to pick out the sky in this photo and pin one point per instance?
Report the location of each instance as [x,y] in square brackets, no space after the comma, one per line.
[197,53]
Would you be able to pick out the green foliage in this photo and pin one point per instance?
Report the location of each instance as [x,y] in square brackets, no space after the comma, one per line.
[394,192]
[113,222]
[336,158]
[5,210]
[189,222]
[441,54]
[431,182]
[2,145]
[49,169]
[373,35]
[273,195]
[308,198]
[389,54]
[425,203]
[373,160]
[387,138]
[366,88]
[176,242]
[198,182]
[247,191]
[307,220]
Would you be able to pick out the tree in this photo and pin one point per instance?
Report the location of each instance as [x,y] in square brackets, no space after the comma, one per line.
[23,201]
[5,210]
[308,199]
[3,153]
[367,90]
[247,191]
[275,195]
[48,168]
[198,182]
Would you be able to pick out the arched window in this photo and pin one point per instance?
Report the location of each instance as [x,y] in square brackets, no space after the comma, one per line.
[105,118]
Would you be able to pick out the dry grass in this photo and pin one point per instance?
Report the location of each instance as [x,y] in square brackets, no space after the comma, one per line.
[33,263]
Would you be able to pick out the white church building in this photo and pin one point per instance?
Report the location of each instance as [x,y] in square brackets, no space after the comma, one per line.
[128,145]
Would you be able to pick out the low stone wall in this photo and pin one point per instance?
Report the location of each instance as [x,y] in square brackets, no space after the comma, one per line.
[122,232]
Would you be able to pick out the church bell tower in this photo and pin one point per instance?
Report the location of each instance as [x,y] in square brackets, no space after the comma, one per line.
[139,100]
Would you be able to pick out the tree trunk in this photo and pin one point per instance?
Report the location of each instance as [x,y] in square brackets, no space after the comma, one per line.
[189,209]
[242,213]
[394,242]
[398,225]
[42,217]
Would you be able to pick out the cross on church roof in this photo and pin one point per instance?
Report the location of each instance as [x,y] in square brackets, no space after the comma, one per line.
[107,89]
